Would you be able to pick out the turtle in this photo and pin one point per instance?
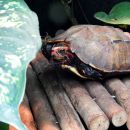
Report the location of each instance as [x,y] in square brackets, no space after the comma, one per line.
[90,51]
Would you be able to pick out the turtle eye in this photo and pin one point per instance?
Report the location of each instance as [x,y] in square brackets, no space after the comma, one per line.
[61,52]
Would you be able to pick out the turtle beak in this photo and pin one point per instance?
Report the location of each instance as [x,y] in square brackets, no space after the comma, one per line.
[46,50]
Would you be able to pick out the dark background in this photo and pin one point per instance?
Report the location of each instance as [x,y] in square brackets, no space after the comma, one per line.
[52,16]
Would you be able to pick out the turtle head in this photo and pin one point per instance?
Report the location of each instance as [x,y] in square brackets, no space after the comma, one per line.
[57,51]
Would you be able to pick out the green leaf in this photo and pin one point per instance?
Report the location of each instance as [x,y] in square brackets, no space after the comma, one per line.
[4,126]
[119,14]
[19,43]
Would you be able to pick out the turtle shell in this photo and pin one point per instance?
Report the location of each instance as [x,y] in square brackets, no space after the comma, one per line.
[103,47]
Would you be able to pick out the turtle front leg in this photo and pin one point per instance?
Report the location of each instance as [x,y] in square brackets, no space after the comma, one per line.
[90,72]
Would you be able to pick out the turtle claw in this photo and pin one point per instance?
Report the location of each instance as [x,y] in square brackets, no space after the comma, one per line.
[92,73]
[97,75]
